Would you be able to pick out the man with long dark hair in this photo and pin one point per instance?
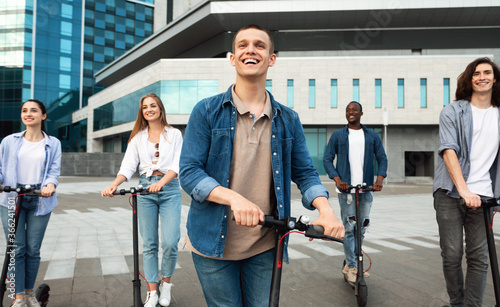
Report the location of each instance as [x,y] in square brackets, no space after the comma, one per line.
[467,167]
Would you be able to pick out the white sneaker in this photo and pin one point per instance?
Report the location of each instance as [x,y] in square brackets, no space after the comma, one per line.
[165,297]
[151,299]
[18,303]
[31,300]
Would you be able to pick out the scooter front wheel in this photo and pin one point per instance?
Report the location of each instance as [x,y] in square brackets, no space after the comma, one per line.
[362,295]
[42,294]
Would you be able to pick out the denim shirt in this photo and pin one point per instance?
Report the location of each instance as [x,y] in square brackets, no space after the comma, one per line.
[9,150]
[338,145]
[455,132]
[206,159]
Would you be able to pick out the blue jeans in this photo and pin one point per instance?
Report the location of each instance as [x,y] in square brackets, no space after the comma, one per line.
[453,218]
[348,213]
[165,207]
[221,280]
[28,241]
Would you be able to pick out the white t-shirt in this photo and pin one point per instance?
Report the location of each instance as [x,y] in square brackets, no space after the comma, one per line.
[30,162]
[356,155]
[484,150]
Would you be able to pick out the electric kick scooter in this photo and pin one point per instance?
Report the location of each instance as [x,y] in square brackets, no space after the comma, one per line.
[135,239]
[283,228]
[360,286]
[487,203]
[42,293]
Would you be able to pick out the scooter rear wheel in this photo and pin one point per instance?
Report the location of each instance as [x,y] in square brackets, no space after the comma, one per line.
[42,294]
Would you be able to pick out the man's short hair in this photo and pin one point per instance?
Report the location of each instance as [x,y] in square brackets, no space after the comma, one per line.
[359,104]
[257,27]
[464,81]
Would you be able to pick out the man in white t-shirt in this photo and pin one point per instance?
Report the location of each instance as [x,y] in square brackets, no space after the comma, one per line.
[355,147]
[467,168]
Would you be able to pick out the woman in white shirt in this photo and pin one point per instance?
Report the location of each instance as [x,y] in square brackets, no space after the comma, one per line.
[28,157]
[155,146]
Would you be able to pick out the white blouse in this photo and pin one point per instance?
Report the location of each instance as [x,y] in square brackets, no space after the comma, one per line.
[137,154]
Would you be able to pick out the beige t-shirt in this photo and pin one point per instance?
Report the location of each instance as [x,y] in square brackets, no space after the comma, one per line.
[251,176]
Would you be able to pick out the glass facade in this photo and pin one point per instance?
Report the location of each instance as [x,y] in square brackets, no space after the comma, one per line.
[401,93]
[178,97]
[312,93]
[109,29]
[355,90]
[316,143]
[423,93]
[333,93]
[16,35]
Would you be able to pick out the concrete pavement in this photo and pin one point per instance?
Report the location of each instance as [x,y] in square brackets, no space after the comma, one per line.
[87,253]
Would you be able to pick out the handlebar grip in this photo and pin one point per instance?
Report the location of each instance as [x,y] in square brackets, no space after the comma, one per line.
[485,201]
[315,231]
[270,221]
[120,192]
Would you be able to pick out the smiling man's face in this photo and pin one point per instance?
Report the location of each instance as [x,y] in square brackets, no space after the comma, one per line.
[483,78]
[252,53]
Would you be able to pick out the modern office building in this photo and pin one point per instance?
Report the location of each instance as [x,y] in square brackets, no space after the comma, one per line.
[50,51]
[400,59]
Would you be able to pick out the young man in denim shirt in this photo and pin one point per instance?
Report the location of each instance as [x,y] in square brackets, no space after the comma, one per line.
[355,147]
[467,168]
[240,153]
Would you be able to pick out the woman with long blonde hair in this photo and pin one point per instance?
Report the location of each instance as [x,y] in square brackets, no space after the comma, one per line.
[155,146]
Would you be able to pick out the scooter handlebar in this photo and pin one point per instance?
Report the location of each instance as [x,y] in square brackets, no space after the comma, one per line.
[133,190]
[26,190]
[360,187]
[485,201]
[311,231]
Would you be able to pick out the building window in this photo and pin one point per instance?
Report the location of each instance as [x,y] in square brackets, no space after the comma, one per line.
[355,90]
[65,46]
[101,7]
[401,93]
[289,93]
[423,93]
[446,91]
[65,63]
[378,93]
[269,86]
[99,40]
[66,28]
[333,93]
[66,10]
[120,44]
[312,93]
[65,81]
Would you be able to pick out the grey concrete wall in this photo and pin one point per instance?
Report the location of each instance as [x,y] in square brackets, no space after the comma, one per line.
[101,164]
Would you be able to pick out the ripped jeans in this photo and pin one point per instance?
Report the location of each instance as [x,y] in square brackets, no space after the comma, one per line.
[347,203]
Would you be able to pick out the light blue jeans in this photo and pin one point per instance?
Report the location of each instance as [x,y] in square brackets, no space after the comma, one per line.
[164,207]
[347,203]
[221,280]
[28,241]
